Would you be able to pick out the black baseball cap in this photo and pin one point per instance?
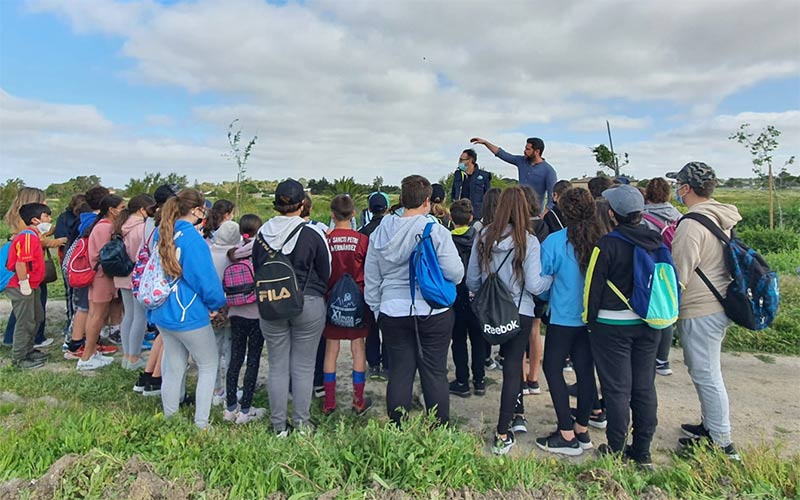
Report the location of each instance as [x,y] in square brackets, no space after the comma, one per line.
[694,173]
[437,196]
[163,193]
[378,202]
[289,192]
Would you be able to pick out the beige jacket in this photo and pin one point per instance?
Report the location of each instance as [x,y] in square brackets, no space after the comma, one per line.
[694,246]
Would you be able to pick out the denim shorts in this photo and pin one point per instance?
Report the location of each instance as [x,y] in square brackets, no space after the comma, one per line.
[80,299]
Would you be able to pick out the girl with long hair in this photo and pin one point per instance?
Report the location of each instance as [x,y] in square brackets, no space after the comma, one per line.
[197,296]
[508,236]
[221,211]
[102,290]
[131,226]
[565,257]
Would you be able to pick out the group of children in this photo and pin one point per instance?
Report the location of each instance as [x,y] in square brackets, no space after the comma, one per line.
[556,266]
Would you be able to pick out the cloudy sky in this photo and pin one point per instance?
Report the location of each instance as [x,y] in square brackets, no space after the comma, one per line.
[366,88]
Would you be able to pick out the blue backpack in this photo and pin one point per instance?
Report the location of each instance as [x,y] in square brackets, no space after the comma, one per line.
[5,274]
[424,270]
[753,294]
[656,292]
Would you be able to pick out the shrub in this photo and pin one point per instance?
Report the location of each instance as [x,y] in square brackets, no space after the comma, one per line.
[765,240]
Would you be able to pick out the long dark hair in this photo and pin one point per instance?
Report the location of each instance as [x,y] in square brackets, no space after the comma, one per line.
[490,199]
[216,216]
[512,208]
[134,205]
[583,230]
[106,204]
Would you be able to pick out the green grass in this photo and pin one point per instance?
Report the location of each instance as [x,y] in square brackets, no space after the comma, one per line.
[54,413]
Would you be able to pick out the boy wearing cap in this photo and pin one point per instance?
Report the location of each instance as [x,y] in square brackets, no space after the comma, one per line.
[702,322]
[623,345]
[292,344]
[376,354]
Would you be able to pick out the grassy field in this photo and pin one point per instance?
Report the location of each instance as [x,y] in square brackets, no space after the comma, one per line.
[100,440]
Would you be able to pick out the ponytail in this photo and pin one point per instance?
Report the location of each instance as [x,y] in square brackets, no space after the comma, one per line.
[106,204]
[134,205]
[216,216]
[173,209]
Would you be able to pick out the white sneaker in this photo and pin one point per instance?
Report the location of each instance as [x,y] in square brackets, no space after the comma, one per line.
[253,414]
[104,359]
[218,399]
[92,363]
[46,342]
[230,415]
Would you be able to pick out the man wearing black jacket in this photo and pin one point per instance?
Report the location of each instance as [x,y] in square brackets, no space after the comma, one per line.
[623,345]
[470,182]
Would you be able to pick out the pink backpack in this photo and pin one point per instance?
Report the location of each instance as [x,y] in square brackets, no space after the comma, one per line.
[667,230]
[141,262]
[239,284]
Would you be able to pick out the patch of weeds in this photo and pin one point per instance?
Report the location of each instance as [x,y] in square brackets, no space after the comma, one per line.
[765,358]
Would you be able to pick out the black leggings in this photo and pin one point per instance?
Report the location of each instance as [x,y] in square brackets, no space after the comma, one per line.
[245,338]
[563,341]
[510,395]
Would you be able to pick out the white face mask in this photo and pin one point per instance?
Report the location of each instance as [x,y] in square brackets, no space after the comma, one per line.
[44,227]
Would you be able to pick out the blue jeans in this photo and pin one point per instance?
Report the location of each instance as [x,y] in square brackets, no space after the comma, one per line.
[8,338]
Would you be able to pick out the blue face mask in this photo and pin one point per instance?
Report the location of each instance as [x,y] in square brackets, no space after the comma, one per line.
[678,197]
[462,166]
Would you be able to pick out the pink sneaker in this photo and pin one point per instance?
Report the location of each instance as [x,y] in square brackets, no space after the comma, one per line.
[230,415]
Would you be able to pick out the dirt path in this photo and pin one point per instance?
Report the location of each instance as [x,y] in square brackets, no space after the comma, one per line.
[764,393]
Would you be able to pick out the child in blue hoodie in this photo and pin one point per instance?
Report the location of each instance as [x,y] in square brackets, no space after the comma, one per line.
[184,320]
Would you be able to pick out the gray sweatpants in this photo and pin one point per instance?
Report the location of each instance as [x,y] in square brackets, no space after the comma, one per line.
[292,351]
[134,323]
[202,345]
[701,339]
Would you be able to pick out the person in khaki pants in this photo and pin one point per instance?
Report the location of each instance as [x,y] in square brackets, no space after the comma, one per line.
[26,260]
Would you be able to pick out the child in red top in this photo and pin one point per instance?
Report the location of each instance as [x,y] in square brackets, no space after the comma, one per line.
[348,252]
[26,259]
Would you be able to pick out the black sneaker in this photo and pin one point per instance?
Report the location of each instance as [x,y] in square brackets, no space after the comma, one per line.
[503,445]
[519,424]
[319,391]
[153,388]
[644,460]
[375,373]
[364,408]
[698,431]
[459,389]
[689,444]
[555,443]
[531,387]
[489,364]
[662,368]
[140,384]
[36,355]
[572,390]
[605,450]
[187,399]
[584,440]
[596,420]
[480,387]
[568,366]
[28,364]
[498,360]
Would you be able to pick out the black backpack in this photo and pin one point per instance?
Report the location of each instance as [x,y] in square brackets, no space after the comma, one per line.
[277,294]
[346,305]
[114,258]
[493,305]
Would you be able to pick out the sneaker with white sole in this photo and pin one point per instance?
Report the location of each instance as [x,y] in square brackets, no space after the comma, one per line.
[230,415]
[93,363]
[555,443]
[663,368]
[531,388]
[503,445]
[584,440]
[596,420]
[219,398]
[46,342]
[253,414]
[519,424]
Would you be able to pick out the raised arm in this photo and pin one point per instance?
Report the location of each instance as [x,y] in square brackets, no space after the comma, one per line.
[477,140]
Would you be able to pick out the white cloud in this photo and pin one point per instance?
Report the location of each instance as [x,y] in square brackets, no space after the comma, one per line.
[354,88]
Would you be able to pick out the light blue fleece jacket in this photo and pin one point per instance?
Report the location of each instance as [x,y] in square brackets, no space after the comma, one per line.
[535,283]
[386,281]
[566,293]
[198,291]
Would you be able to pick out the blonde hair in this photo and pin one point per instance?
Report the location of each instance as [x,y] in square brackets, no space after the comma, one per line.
[173,209]
[24,196]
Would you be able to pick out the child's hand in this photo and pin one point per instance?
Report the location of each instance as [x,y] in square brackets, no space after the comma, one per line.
[213,314]
[25,287]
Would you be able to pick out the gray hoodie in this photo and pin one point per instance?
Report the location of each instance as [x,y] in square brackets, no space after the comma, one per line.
[535,283]
[386,279]
[664,212]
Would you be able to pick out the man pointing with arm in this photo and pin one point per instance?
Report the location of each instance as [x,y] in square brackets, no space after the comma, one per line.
[533,170]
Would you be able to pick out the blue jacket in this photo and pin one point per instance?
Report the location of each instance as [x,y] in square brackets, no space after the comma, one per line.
[198,290]
[479,182]
[566,294]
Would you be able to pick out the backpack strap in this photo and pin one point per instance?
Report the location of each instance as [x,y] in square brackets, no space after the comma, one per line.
[558,219]
[720,234]
[291,235]
[654,220]
[616,234]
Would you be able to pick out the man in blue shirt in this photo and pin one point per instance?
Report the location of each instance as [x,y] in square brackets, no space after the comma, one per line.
[471,182]
[533,170]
